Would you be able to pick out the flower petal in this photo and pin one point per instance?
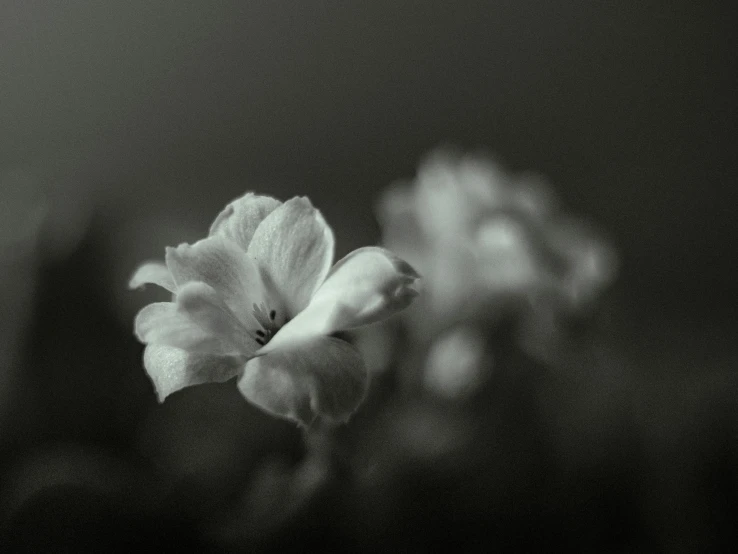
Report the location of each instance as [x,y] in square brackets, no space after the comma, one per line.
[452,292]
[402,230]
[532,194]
[368,285]
[453,190]
[204,306]
[509,255]
[318,377]
[172,369]
[155,273]
[239,220]
[294,246]
[162,323]
[457,363]
[220,263]
[591,260]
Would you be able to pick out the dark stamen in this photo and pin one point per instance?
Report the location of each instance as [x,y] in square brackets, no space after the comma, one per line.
[261,333]
[272,314]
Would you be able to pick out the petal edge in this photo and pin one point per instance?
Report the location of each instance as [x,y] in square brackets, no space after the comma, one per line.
[155,273]
[321,377]
[368,285]
[171,369]
[294,245]
[240,218]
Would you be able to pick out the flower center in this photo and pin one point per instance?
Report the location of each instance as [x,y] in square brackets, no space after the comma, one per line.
[268,321]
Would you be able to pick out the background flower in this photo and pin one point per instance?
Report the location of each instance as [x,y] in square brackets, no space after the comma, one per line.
[485,236]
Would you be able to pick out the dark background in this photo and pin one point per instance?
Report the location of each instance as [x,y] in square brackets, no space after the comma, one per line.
[140,120]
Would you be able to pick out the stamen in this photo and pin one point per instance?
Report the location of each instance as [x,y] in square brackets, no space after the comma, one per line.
[267,323]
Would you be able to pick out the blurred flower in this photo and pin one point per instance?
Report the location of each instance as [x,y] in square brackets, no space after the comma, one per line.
[486,239]
[258,299]
[457,364]
[590,261]
[378,345]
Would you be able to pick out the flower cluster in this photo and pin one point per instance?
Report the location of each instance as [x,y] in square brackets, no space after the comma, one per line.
[490,244]
[481,235]
[259,299]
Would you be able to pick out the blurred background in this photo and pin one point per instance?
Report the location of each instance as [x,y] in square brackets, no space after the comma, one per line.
[127,126]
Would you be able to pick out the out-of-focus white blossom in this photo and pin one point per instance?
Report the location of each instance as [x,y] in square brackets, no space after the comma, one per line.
[378,344]
[259,299]
[457,363]
[590,261]
[485,238]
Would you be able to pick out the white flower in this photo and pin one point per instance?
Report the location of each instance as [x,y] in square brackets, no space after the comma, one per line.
[259,299]
[457,363]
[483,236]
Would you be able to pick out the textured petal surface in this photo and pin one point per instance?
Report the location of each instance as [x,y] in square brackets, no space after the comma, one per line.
[172,369]
[239,220]
[368,285]
[220,263]
[155,273]
[204,306]
[294,246]
[320,377]
[163,323]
